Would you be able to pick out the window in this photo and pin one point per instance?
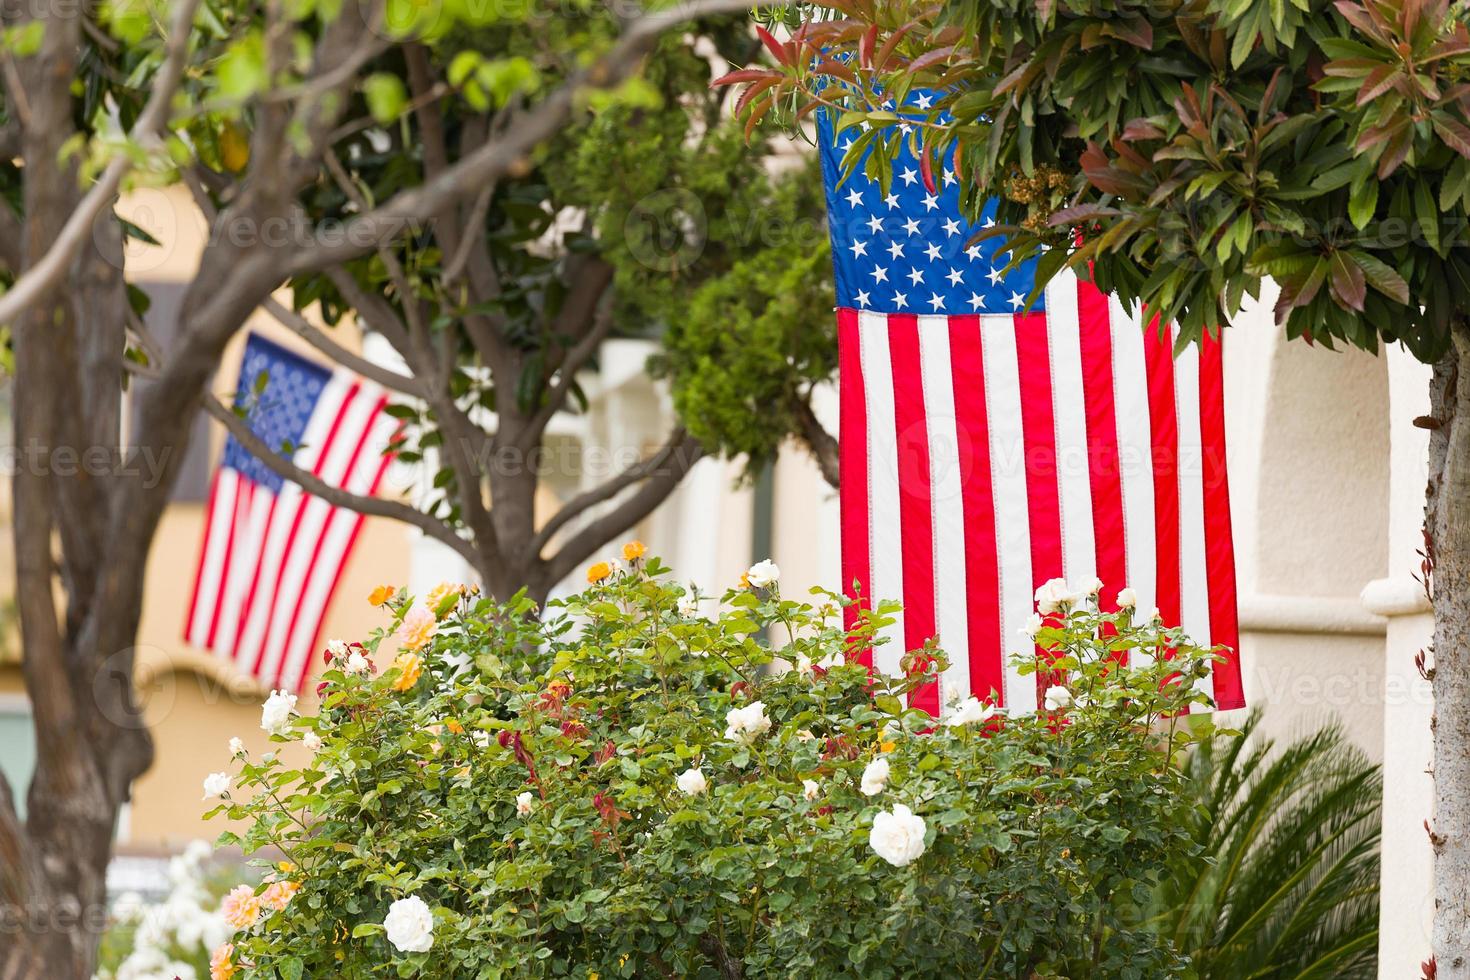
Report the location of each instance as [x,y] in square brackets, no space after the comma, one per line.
[17,746]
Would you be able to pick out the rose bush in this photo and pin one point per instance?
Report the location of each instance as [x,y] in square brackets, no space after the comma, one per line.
[625,787]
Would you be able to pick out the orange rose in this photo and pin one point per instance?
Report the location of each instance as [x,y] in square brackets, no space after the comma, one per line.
[221,964]
[241,907]
[598,572]
[277,894]
[410,669]
[417,628]
[381,595]
[634,550]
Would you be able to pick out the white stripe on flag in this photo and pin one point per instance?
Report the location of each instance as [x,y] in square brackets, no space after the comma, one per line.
[289,502]
[244,557]
[951,617]
[1069,407]
[1135,455]
[339,449]
[335,538]
[1008,482]
[885,529]
[1193,577]
[217,534]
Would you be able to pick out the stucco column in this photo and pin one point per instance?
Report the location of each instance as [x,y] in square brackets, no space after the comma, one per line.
[1406,911]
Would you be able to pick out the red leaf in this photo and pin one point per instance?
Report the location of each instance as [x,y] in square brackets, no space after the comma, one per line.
[777,49]
[931,58]
[926,170]
[744,75]
[865,46]
[886,52]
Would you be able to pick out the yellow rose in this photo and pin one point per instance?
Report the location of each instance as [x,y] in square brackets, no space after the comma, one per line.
[381,595]
[598,572]
[410,669]
[634,550]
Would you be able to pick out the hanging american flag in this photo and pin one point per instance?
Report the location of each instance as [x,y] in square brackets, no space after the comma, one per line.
[988,447]
[273,553]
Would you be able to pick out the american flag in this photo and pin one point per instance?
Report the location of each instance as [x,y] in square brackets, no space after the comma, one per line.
[988,447]
[272,553]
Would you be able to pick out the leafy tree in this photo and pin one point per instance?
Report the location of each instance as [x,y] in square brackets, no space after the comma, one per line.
[409,163]
[1183,153]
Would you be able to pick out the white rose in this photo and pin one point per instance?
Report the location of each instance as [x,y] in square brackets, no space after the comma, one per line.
[763,574]
[691,782]
[312,741]
[1055,595]
[810,790]
[1057,698]
[357,663]
[1154,616]
[748,723]
[216,784]
[1032,627]
[337,648]
[970,712]
[875,777]
[897,836]
[1127,598]
[275,714]
[1097,586]
[237,747]
[410,925]
[523,804]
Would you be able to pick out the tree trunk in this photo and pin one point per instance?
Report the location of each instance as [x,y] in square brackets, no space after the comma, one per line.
[1448,524]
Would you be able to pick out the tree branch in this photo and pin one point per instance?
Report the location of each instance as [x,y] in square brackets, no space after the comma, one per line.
[373,506]
[499,157]
[679,441]
[318,338]
[583,305]
[42,277]
[821,443]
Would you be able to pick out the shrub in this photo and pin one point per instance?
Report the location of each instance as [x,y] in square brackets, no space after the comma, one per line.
[628,787]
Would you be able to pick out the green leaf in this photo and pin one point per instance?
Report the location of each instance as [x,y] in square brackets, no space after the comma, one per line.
[386,96]
[1363,202]
[1426,214]
[241,72]
[1381,276]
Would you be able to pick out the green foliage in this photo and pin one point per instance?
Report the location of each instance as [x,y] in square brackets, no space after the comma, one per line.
[523,779]
[1186,150]
[1291,885]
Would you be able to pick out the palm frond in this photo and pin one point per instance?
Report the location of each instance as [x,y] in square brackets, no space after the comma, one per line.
[1285,885]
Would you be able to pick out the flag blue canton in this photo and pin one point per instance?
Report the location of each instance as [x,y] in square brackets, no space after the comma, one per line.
[280,413]
[910,250]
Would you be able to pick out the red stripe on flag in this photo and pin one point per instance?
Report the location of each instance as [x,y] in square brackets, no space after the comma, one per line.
[248,606]
[982,563]
[1104,476]
[321,459]
[916,502]
[853,469]
[316,639]
[1039,434]
[203,553]
[1219,548]
[241,486]
[316,548]
[1164,423]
